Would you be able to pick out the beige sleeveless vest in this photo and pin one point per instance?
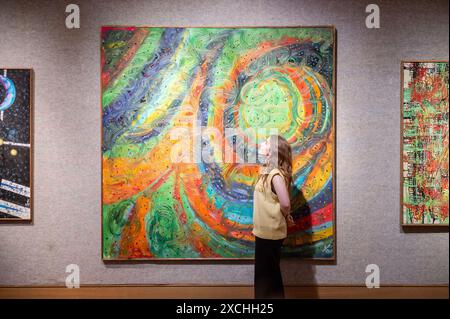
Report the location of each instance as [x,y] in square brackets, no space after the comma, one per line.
[268,220]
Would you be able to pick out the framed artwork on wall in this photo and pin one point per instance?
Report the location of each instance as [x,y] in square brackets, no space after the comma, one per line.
[16,120]
[424,143]
[163,84]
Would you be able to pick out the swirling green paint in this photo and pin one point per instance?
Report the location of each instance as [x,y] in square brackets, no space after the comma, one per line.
[130,72]
[115,217]
[164,230]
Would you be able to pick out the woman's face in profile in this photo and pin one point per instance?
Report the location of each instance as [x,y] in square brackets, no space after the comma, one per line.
[264,147]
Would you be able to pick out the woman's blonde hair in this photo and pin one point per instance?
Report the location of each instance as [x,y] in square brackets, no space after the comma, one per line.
[280,157]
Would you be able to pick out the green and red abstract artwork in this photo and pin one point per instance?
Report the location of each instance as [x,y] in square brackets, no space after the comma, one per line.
[425,143]
[156,81]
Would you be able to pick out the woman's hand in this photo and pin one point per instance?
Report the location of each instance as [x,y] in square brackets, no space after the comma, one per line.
[290,220]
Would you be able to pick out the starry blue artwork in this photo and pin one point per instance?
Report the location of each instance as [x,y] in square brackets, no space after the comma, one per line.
[15,144]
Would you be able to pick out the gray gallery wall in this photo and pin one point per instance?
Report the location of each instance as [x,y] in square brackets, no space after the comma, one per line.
[67,183]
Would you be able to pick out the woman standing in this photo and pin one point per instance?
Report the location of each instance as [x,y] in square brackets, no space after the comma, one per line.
[271,215]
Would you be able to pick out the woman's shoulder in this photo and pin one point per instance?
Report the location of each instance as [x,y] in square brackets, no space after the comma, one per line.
[272,171]
[277,171]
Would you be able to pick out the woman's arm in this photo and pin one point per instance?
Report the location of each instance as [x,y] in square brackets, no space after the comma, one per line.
[283,194]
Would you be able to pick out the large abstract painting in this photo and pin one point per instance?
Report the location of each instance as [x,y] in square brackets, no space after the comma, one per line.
[15,144]
[160,85]
[424,156]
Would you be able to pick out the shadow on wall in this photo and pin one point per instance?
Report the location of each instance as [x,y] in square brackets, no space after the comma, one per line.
[299,271]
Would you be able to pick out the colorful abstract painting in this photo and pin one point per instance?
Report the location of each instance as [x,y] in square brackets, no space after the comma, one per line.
[425,143]
[157,81]
[15,144]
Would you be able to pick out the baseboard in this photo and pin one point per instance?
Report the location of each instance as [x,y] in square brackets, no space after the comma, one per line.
[223,292]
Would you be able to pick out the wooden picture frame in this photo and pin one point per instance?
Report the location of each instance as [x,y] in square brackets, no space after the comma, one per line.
[401,215]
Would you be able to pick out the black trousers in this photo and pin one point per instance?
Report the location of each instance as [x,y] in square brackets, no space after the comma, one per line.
[268,279]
